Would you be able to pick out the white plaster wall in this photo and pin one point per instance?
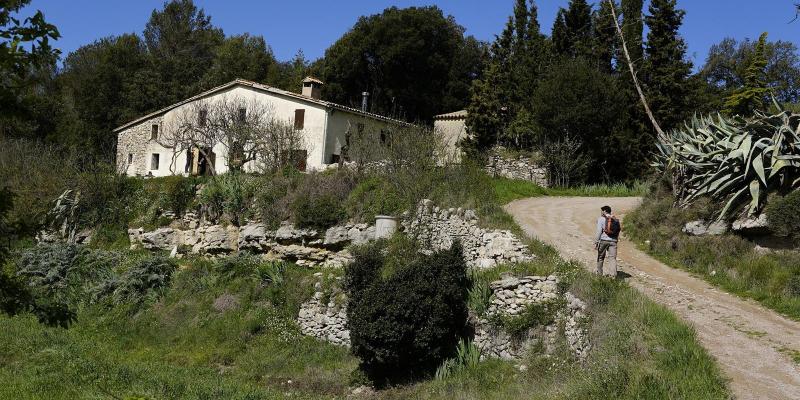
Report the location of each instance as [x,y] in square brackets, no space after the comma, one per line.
[339,122]
[451,131]
[136,139]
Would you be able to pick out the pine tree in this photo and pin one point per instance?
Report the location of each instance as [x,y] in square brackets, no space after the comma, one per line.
[750,97]
[666,70]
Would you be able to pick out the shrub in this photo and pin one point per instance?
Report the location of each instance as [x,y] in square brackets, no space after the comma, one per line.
[405,321]
[142,279]
[373,196]
[467,356]
[228,196]
[783,214]
[320,212]
[177,193]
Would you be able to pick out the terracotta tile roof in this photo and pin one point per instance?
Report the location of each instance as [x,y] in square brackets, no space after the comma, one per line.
[264,88]
[455,115]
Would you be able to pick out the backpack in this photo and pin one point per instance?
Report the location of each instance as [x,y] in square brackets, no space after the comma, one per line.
[613,227]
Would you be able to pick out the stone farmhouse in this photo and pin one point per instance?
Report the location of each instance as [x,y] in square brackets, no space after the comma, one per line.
[324,127]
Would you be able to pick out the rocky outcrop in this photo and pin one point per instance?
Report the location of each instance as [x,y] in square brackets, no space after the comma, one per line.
[520,167]
[304,246]
[324,316]
[438,228]
[510,298]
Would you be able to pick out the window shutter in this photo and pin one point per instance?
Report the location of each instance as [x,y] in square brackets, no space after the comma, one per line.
[299,118]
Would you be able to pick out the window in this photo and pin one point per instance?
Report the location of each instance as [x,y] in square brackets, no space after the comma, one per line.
[299,118]
[242,115]
[154,132]
[130,158]
[202,116]
[154,161]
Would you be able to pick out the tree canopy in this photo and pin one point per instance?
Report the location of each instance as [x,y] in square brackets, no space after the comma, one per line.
[405,59]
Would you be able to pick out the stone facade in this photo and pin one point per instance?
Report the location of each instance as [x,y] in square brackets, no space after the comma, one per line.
[522,168]
[324,316]
[135,142]
[437,228]
[510,297]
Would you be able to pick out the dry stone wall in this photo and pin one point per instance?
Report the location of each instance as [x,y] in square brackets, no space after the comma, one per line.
[324,316]
[522,168]
[438,228]
[510,298]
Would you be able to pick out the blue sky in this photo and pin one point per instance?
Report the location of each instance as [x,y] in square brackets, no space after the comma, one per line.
[313,25]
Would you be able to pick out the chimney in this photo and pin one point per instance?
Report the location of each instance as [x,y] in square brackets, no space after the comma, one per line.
[312,87]
[364,99]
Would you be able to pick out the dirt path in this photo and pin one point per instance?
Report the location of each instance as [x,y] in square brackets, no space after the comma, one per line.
[751,343]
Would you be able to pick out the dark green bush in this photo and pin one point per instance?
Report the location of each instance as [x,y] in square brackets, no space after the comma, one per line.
[783,214]
[405,318]
[323,211]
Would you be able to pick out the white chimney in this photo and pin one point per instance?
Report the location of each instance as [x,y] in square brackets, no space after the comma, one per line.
[312,87]
[364,100]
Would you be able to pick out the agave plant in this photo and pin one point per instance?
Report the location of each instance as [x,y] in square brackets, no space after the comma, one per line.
[735,160]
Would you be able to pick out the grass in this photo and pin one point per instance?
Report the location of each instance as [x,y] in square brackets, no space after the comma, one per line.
[726,261]
[186,345]
[508,190]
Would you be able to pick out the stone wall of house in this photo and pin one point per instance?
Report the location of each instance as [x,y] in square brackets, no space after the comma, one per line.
[510,297]
[437,228]
[134,141]
[303,246]
[522,168]
[324,316]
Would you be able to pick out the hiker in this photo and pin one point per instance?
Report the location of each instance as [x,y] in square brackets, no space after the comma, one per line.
[606,238]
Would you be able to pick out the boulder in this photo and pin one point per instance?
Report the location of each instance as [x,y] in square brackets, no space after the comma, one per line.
[752,225]
[336,236]
[703,228]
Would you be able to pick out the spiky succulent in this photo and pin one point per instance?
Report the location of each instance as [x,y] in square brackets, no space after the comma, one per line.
[734,160]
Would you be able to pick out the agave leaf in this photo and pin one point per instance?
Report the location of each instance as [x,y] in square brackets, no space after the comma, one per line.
[755,192]
[731,202]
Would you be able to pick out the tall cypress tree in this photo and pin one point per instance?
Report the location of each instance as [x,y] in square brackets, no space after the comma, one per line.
[666,70]
[562,45]
[750,97]
[578,19]
[632,29]
[605,37]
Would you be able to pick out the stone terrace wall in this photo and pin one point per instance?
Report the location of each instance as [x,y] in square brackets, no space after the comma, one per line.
[325,317]
[522,168]
[510,297]
[437,228]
